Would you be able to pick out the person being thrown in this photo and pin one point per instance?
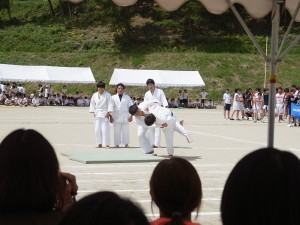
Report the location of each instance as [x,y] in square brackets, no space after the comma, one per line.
[164,118]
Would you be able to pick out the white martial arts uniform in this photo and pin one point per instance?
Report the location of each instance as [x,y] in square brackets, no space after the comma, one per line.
[99,106]
[143,129]
[120,114]
[163,115]
[159,96]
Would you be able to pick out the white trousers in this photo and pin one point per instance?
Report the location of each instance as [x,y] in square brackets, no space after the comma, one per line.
[143,136]
[121,133]
[102,131]
[180,129]
[154,135]
[169,135]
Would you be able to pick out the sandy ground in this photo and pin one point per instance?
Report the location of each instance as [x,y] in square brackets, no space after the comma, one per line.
[218,145]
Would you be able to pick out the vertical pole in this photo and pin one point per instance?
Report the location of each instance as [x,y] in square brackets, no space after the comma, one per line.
[265,80]
[273,66]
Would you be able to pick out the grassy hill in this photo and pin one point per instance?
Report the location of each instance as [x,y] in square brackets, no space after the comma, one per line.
[34,37]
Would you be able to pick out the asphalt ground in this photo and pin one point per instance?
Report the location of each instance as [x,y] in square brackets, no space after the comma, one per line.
[218,145]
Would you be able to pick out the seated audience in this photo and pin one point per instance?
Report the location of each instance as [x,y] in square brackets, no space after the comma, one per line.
[104,208]
[32,188]
[263,188]
[176,189]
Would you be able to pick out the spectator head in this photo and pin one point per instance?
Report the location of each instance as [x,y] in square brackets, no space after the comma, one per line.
[150,84]
[150,81]
[100,84]
[29,174]
[120,88]
[101,87]
[149,119]
[175,187]
[279,90]
[104,208]
[263,188]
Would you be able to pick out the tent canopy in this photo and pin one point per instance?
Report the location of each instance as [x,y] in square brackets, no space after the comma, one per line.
[256,8]
[162,78]
[50,74]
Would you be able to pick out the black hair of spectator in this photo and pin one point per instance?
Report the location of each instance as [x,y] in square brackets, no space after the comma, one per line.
[100,84]
[149,119]
[104,208]
[121,84]
[176,189]
[29,168]
[150,81]
[263,188]
[133,109]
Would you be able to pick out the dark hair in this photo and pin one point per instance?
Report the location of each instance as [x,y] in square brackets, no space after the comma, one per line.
[176,189]
[29,174]
[263,188]
[133,109]
[104,208]
[149,119]
[150,81]
[100,84]
[120,84]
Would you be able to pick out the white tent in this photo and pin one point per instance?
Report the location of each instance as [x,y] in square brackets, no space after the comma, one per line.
[257,9]
[49,74]
[162,78]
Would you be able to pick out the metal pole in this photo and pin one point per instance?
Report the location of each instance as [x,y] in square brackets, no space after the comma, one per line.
[247,30]
[273,66]
[265,80]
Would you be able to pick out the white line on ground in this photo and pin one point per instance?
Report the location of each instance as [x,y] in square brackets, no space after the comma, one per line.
[110,181]
[142,190]
[135,173]
[227,138]
[113,165]
[136,180]
[204,199]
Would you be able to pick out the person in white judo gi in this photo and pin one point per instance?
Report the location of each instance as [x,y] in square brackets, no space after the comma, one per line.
[158,95]
[165,119]
[120,104]
[99,104]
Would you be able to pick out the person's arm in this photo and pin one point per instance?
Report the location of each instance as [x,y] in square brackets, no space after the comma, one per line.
[70,190]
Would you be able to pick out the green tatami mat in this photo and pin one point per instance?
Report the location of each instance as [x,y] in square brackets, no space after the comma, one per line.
[111,156]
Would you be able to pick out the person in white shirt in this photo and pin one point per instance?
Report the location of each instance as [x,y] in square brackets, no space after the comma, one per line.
[155,94]
[47,91]
[121,117]
[166,119]
[64,90]
[203,95]
[35,102]
[227,99]
[41,90]
[279,104]
[141,111]
[100,102]
[80,101]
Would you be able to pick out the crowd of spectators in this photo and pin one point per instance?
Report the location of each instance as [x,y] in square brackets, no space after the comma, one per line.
[16,95]
[263,188]
[255,104]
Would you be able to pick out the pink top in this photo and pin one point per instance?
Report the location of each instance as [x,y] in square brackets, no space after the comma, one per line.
[163,220]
